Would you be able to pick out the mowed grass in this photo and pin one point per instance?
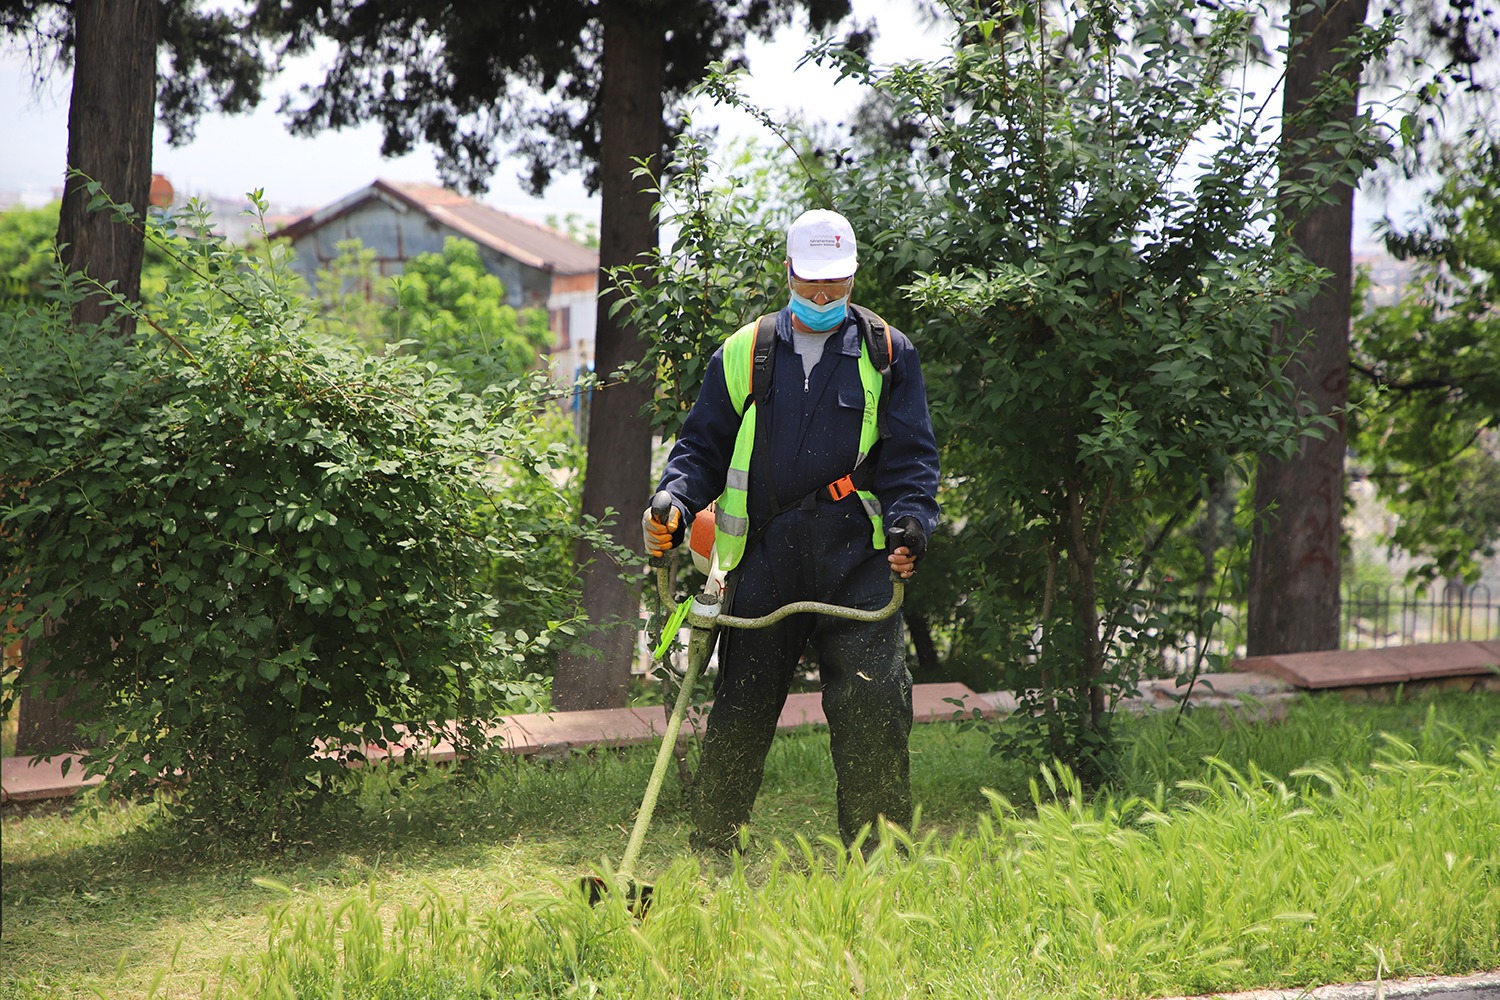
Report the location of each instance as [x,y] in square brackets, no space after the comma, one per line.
[1345,842]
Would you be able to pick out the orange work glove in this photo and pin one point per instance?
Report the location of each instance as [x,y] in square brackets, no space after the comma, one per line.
[660,538]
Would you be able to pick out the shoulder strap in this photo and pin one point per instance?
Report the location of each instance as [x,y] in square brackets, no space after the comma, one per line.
[877,337]
[763,357]
[874,330]
[747,362]
[762,364]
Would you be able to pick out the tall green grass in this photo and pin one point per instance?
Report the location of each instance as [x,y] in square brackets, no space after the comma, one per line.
[1394,870]
[1347,842]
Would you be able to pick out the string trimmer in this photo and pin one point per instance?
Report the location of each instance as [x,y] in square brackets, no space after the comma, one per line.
[703,616]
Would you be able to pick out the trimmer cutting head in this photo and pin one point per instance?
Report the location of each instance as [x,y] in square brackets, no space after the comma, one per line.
[637,894]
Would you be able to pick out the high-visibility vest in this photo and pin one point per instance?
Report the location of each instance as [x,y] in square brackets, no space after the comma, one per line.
[742,360]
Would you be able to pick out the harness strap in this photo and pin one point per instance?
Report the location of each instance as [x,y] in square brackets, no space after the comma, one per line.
[875,336]
[840,488]
[836,491]
[762,358]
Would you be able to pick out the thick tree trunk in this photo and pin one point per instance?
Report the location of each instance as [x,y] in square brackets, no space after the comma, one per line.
[1294,602]
[110,118]
[43,724]
[619,439]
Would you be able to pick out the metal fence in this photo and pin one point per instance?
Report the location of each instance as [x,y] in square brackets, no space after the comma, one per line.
[1373,617]
[1376,616]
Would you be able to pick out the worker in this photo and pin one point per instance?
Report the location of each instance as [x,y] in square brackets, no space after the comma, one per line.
[806,518]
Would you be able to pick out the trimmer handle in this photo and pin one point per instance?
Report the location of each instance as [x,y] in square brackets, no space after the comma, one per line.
[661,513]
[661,507]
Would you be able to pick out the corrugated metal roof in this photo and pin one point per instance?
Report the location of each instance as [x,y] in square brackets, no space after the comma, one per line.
[522,240]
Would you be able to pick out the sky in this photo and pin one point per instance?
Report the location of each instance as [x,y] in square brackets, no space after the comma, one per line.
[231,155]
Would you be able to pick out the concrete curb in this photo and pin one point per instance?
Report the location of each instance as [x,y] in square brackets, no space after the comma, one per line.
[1480,986]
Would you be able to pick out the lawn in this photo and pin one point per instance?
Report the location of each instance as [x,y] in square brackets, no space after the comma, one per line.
[1345,842]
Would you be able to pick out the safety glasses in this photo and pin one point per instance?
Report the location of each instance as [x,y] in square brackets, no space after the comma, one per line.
[824,291]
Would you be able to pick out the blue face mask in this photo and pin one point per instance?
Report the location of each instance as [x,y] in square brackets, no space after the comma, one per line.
[818,318]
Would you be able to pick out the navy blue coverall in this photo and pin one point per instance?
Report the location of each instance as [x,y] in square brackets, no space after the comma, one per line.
[819,550]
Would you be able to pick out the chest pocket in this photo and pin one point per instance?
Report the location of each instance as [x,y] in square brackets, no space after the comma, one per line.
[847,419]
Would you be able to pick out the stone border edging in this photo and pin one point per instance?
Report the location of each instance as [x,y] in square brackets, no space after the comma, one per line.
[1479,986]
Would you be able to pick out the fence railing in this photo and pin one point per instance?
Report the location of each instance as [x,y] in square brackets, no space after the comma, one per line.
[1376,616]
[1373,617]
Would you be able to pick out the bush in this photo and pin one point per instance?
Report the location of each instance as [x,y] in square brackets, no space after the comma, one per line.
[453,312]
[250,550]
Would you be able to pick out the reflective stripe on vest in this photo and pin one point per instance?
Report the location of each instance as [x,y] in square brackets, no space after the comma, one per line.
[732,522]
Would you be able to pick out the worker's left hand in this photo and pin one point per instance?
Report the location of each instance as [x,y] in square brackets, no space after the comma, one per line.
[908,544]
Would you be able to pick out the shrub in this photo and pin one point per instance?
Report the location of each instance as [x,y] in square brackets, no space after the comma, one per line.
[252,550]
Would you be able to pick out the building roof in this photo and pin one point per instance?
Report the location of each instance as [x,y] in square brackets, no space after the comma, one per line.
[522,240]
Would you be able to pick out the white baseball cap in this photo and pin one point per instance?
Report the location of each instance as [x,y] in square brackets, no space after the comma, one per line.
[821,247]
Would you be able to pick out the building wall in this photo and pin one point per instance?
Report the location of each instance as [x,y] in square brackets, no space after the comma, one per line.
[573,315]
[397,234]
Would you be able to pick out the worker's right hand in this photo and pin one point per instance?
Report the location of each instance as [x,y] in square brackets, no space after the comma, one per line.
[907,543]
[658,537]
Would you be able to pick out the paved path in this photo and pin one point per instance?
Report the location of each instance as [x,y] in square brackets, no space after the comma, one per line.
[1392,665]
[552,733]
[1266,684]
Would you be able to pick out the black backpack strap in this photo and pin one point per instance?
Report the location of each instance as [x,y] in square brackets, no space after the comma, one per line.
[763,360]
[762,366]
[877,338]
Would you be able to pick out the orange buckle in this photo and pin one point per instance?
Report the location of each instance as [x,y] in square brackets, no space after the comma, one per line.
[840,488]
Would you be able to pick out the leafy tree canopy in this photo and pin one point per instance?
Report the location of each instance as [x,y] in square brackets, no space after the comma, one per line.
[210,58]
[1426,402]
[445,308]
[28,246]
[28,253]
[473,77]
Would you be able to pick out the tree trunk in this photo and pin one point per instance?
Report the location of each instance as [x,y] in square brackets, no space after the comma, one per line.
[1083,573]
[43,724]
[619,438]
[1294,601]
[110,118]
[1215,530]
